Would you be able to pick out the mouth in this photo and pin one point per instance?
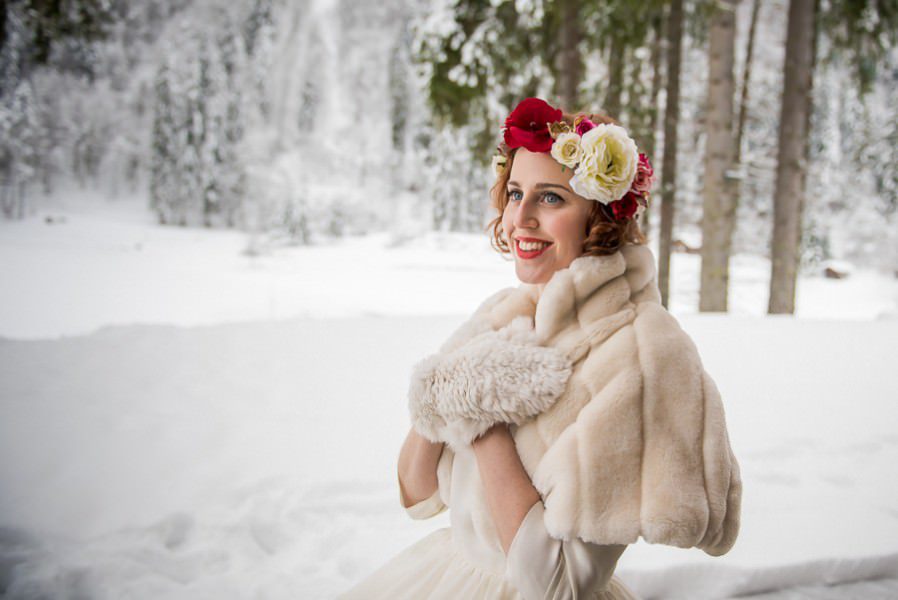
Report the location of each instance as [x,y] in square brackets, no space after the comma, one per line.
[532,247]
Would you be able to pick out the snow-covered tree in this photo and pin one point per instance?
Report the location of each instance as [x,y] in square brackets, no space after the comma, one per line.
[455,185]
[199,127]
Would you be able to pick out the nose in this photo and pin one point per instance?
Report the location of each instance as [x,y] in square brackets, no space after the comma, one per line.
[525,215]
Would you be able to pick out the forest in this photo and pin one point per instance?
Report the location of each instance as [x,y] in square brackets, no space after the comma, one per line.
[231,229]
[769,121]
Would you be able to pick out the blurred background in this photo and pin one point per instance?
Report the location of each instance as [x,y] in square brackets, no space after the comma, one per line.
[213,212]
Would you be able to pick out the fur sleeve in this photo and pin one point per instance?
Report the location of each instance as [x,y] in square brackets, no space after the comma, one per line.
[691,482]
[648,454]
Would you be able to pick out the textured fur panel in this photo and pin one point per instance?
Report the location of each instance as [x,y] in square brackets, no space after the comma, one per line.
[498,376]
[622,430]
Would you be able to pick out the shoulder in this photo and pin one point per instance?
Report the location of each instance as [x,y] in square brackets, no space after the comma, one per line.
[663,344]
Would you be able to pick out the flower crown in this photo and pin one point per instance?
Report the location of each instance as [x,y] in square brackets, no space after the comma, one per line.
[607,165]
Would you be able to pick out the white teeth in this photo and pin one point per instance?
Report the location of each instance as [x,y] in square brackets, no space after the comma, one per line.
[528,246]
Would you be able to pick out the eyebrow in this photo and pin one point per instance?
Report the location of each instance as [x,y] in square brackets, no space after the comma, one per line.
[542,186]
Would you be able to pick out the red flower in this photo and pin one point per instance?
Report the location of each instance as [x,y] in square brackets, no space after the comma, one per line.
[626,207]
[527,125]
[645,176]
[584,126]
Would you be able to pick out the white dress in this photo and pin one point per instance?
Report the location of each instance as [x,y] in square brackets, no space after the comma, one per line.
[466,560]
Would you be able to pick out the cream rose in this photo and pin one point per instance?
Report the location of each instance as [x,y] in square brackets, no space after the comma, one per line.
[566,149]
[608,165]
[498,164]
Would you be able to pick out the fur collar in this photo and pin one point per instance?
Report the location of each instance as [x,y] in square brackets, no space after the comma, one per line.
[578,300]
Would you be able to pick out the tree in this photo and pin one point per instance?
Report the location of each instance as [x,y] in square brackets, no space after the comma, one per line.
[789,191]
[36,33]
[484,57]
[647,128]
[20,134]
[570,63]
[719,209]
[198,173]
[743,104]
[622,28]
[489,55]
[862,30]
[669,164]
[746,80]
[453,185]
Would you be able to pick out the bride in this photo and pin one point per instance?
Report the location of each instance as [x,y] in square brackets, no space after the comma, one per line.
[570,415]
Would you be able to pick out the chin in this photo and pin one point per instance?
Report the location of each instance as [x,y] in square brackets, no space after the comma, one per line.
[532,276]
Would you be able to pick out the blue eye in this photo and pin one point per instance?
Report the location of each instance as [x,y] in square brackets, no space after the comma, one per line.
[557,199]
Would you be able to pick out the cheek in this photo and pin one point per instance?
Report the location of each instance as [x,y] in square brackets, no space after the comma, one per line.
[573,232]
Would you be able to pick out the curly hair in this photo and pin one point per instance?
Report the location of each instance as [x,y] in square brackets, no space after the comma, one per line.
[604,234]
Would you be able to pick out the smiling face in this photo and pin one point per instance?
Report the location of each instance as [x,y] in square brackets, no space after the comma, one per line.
[543,209]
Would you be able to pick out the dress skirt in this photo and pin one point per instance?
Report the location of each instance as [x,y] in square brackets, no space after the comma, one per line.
[432,568]
[466,562]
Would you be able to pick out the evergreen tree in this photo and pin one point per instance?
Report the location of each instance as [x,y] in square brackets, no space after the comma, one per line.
[163,187]
[198,130]
[455,192]
[35,33]
[862,31]
[19,150]
[483,57]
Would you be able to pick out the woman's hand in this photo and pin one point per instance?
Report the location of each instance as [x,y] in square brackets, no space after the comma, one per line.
[509,492]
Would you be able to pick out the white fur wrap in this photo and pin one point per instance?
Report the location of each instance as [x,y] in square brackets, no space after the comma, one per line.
[636,445]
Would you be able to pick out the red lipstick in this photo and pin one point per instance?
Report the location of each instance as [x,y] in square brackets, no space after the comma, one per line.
[527,254]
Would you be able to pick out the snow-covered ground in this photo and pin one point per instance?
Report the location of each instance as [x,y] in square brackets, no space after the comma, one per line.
[101,263]
[177,419]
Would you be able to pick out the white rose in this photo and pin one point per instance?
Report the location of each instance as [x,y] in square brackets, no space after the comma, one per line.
[566,149]
[498,164]
[608,166]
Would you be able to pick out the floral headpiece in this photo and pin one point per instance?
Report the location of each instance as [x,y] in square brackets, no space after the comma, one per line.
[607,166]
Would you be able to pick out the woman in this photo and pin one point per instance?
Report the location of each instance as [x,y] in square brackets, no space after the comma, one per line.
[569,415]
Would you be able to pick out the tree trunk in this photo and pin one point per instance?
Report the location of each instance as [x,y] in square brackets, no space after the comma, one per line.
[807,121]
[669,166]
[615,76]
[570,63]
[718,212]
[746,80]
[743,108]
[793,130]
[657,42]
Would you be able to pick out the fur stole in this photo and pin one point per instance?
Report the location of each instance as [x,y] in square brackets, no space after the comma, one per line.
[632,441]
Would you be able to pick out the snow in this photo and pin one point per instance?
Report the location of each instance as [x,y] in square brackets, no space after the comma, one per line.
[109,264]
[177,419]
